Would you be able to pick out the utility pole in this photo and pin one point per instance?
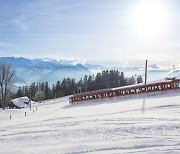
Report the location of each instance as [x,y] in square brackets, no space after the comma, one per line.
[30,99]
[146,71]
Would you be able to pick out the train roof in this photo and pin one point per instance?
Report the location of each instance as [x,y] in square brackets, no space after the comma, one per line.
[141,84]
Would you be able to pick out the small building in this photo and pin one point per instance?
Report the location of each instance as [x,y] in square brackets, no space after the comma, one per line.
[19,103]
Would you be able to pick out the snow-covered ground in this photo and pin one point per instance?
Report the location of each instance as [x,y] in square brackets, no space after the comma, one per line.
[135,125]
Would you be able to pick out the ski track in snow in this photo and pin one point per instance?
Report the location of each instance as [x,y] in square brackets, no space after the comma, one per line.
[141,125]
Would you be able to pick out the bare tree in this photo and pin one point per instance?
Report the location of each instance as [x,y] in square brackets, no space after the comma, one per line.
[7,74]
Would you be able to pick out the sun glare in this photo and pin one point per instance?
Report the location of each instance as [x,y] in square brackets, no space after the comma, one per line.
[149,17]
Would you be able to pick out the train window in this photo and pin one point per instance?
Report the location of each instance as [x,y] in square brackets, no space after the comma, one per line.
[91,97]
[143,89]
[175,85]
[122,92]
[138,90]
[83,98]
[178,84]
[132,91]
[99,96]
[159,87]
[94,96]
[152,88]
[110,94]
[169,85]
[127,91]
[155,87]
[164,86]
[114,93]
[87,97]
[149,88]
[105,94]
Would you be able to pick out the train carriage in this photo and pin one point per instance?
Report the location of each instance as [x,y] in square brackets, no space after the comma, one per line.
[162,87]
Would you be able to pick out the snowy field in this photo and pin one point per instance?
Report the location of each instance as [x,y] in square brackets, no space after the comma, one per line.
[141,125]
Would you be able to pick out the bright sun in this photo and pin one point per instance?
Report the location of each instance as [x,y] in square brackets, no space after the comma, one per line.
[149,17]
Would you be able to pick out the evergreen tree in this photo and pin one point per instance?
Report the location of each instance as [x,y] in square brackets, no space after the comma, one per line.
[46,91]
[26,91]
[32,90]
[123,81]
[53,91]
[90,83]
[98,81]
[42,87]
[19,92]
[131,81]
[58,90]
[139,79]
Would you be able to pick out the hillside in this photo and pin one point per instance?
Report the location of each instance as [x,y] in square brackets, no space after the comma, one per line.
[142,125]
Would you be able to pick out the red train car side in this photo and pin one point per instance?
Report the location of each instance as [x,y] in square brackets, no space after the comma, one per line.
[163,86]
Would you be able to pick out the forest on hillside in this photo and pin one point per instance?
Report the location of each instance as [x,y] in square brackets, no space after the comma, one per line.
[68,86]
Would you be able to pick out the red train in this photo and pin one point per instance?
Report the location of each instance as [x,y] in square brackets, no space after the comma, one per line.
[161,87]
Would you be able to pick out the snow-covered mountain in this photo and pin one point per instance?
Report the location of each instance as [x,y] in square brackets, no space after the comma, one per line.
[52,70]
[39,70]
[153,74]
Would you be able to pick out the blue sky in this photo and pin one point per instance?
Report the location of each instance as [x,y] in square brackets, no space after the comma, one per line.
[111,32]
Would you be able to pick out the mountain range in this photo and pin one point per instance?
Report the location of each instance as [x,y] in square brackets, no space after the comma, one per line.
[41,70]
[51,70]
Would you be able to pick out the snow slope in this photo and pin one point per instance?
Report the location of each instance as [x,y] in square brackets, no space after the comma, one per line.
[142,125]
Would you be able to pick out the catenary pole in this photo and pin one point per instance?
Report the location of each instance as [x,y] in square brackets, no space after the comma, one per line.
[146,71]
[30,99]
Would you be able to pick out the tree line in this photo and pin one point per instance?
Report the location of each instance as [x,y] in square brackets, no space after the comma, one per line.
[68,86]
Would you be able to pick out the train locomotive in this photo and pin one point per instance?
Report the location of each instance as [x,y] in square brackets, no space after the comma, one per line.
[127,91]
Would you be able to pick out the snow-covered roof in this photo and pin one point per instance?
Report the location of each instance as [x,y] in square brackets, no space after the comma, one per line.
[20,102]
